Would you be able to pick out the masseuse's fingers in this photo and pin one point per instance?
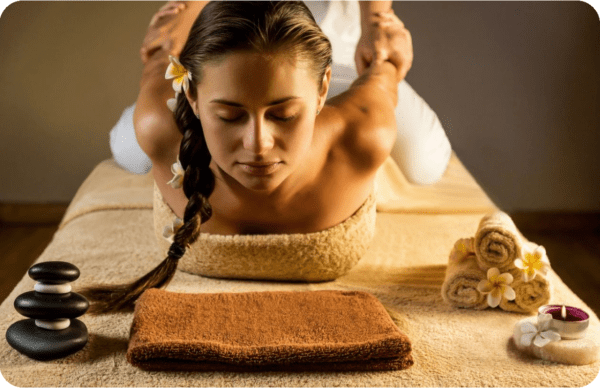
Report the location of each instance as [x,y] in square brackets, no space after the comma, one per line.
[158,34]
[170,8]
[394,41]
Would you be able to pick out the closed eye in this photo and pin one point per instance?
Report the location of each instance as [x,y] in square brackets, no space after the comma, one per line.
[283,119]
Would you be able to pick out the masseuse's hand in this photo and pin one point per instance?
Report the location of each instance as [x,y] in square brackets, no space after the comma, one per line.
[385,38]
[161,34]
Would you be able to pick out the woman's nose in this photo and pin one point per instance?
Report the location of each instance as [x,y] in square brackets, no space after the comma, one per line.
[258,137]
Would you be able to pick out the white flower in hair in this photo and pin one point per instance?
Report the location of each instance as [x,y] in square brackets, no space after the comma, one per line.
[172,102]
[181,77]
[170,230]
[178,172]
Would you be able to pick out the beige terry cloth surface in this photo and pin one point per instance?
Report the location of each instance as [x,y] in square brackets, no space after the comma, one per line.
[404,269]
[323,330]
[320,256]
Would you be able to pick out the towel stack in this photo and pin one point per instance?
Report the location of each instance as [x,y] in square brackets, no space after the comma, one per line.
[496,244]
[260,331]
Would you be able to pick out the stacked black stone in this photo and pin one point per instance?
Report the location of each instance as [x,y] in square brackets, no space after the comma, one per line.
[52,331]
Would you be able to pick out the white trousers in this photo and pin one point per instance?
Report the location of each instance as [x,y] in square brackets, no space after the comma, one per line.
[422,149]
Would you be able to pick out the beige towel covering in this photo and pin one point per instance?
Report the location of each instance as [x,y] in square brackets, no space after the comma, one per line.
[312,257]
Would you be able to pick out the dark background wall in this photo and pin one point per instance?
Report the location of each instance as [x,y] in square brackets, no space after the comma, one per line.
[515,84]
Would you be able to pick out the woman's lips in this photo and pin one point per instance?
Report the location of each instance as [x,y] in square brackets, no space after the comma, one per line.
[260,168]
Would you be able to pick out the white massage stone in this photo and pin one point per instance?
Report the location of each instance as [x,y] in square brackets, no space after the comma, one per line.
[581,351]
[52,288]
[55,324]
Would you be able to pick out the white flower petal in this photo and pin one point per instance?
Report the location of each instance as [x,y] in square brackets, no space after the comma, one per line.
[539,341]
[177,85]
[484,286]
[544,321]
[167,231]
[170,73]
[519,264]
[528,327]
[540,251]
[493,272]
[186,83]
[526,338]
[545,268]
[176,182]
[506,277]
[551,335]
[493,300]
[178,223]
[175,60]
[509,293]
[527,277]
[172,104]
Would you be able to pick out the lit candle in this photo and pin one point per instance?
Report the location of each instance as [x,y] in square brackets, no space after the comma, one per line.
[570,322]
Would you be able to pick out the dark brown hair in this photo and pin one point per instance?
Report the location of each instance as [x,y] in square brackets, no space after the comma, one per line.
[223,27]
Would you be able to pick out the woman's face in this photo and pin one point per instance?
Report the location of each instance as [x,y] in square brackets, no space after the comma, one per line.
[258,114]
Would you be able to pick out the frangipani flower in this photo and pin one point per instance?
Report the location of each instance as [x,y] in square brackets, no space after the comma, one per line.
[181,77]
[462,248]
[178,171]
[496,286]
[533,260]
[170,230]
[172,102]
[540,334]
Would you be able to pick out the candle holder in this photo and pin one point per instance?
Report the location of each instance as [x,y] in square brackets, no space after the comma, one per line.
[570,322]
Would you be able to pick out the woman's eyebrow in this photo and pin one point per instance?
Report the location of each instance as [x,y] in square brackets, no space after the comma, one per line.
[236,104]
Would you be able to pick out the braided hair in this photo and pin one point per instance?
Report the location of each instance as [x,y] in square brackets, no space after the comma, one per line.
[221,28]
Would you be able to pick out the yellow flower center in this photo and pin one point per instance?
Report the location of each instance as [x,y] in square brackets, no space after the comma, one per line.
[532,263]
[497,282]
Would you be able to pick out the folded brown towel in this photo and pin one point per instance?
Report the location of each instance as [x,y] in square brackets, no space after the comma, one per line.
[498,242]
[462,277]
[258,331]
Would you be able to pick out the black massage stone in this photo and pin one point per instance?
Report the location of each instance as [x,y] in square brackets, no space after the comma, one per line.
[42,344]
[39,305]
[54,272]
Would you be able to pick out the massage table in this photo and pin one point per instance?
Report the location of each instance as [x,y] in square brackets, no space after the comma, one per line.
[107,231]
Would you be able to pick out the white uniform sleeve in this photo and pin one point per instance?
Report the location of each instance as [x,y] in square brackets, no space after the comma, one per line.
[124,145]
[422,149]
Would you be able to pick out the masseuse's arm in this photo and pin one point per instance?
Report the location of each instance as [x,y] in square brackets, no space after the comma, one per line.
[155,127]
[365,48]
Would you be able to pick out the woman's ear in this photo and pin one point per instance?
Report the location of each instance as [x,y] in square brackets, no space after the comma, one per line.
[192,101]
[324,88]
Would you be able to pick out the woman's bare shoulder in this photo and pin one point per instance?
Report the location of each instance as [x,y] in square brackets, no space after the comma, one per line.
[366,120]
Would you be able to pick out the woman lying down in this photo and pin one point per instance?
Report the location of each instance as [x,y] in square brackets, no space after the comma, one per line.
[243,114]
